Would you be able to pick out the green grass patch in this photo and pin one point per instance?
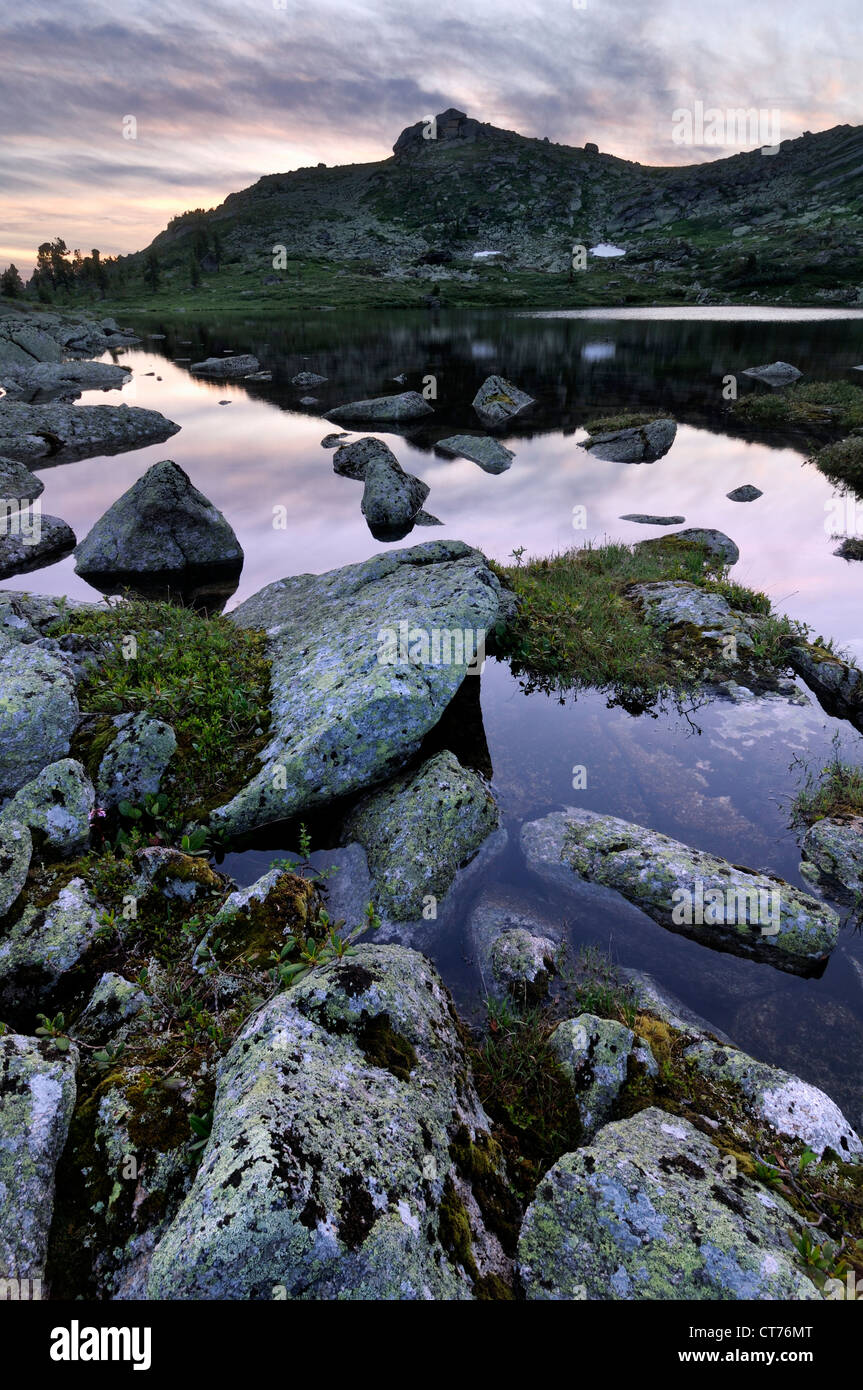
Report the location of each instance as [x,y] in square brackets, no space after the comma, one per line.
[206,677]
[842,462]
[607,424]
[837,404]
[834,790]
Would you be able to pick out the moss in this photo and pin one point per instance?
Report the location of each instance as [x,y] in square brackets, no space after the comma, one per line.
[481,1163]
[383,1047]
[290,908]
[842,462]
[832,404]
[491,1288]
[609,424]
[91,741]
[454,1230]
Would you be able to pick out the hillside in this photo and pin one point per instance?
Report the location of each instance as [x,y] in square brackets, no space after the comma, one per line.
[784,227]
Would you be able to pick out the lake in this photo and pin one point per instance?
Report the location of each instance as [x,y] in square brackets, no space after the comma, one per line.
[721,776]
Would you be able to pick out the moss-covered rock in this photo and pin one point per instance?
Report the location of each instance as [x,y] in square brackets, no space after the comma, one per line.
[328,1173]
[641,442]
[595,1054]
[419,830]
[649,1211]
[45,944]
[37,1097]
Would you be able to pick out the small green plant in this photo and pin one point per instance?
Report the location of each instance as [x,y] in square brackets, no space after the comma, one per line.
[834,790]
[201,1126]
[326,942]
[54,1029]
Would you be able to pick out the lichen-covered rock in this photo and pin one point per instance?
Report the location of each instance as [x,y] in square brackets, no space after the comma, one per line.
[135,761]
[489,453]
[522,965]
[346,710]
[45,944]
[497,401]
[56,806]
[67,432]
[686,890]
[647,1211]
[308,379]
[680,607]
[37,1097]
[17,481]
[418,831]
[635,444]
[161,525]
[788,1104]
[231,368]
[38,711]
[345,1131]
[113,1002]
[837,683]
[391,497]
[746,493]
[595,1053]
[39,541]
[409,405]
[833,856]
[16,849]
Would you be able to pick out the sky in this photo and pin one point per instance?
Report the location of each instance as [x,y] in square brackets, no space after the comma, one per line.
[116,116]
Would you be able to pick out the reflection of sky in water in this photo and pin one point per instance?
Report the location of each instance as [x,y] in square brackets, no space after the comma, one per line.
[720,780]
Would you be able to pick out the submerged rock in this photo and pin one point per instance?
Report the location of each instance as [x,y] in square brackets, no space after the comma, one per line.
[135,761]
[56,806]
[636,444]
[498,401]
[344,1129]
[37,1097]
[833,857]
[595,1055]
[419,830]
[777,1098]
[349,707]
[774,373]
[38,711]
[162,529]
[513,944]
[409,405]
[656,999]
[685,890]
[647,1211]
[65,432]
[40,540]
[308,379]
[227,368]
[489,453]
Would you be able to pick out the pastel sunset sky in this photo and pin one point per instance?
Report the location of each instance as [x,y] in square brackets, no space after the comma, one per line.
[223,91]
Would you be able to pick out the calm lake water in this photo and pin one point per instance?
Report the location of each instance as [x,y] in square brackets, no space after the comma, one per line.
[720,778]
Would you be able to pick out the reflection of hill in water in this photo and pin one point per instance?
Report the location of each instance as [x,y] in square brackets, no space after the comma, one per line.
[575,368]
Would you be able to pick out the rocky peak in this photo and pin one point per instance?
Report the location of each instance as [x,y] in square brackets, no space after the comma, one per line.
[450,125]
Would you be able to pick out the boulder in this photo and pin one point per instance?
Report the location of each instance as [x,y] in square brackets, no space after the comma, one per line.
[746,493]
[38,711]
[37,1098]
[16,849]
[17,482]
[227,368]
[522,965]
[837,683]
[135,761]
[716,543]
[56,806]
[408,405]
[308,379]
[688,891]
[333,441]
[44,945]
[419,830]
[348,706]
[776,1098]
[65,432]
[162,526]
[637,444]
[676,605]
[345,1131]
[489,453]
[352,460]
[115,1001]
[41,380]
[497,401]
[774,373]
[595,1055]
[23,344]
[391,497]
[32,540]
[648,1212]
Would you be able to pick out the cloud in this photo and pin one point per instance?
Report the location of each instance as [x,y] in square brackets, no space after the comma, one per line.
[226,90]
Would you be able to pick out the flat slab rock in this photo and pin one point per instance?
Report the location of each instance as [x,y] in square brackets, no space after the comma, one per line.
[230,368]
[686,890]
[42,541]
[489,453]
[647,1211]
[635,444]
[408,405]
[774,373]
[343,717]
[65,432]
